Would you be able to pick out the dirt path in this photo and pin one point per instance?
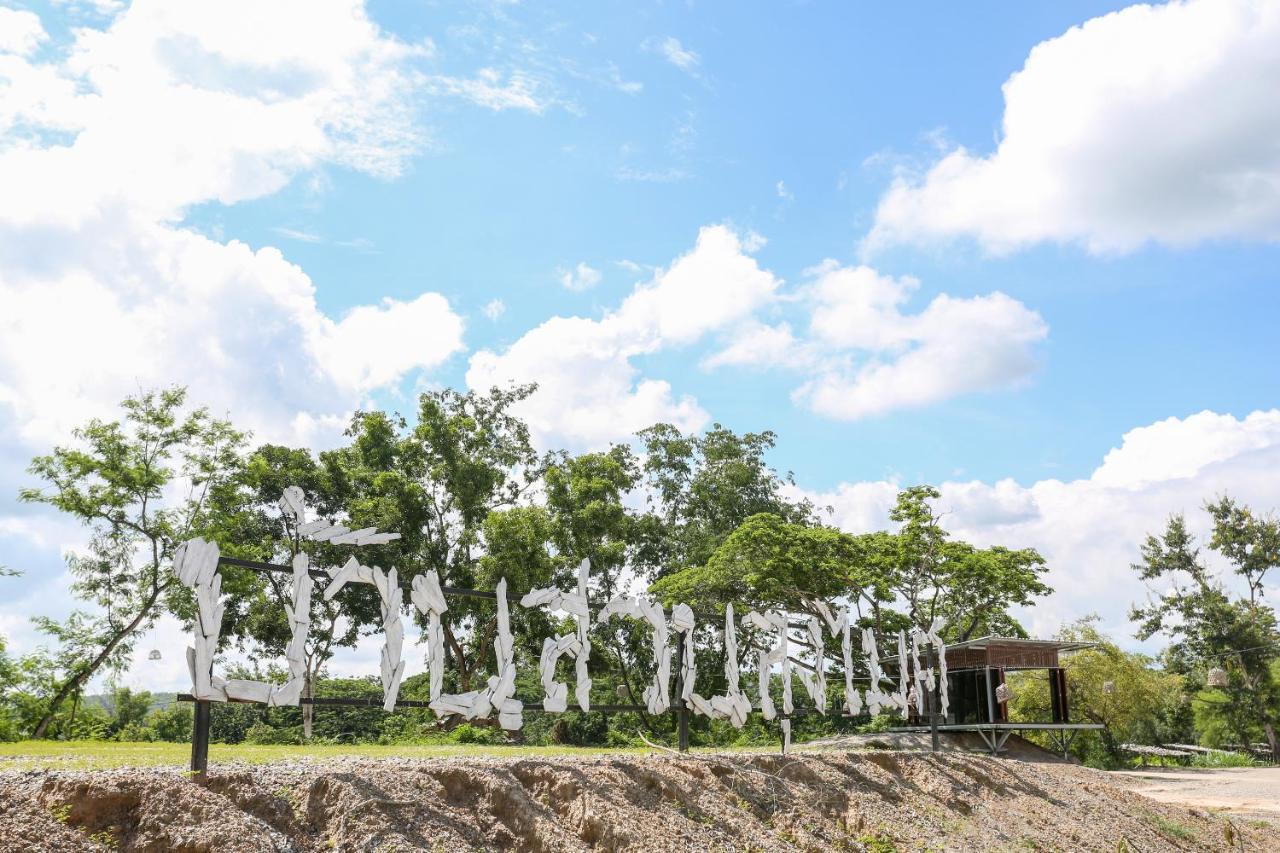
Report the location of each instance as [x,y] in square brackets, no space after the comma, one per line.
[837,800]
[1251,791]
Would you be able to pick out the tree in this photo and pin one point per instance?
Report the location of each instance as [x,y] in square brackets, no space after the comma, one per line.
[437,484]
[117,480]
[1134,700]
[589,520]
[971,589]
[700,490]
[257,529]
[1212,626]
[772,563]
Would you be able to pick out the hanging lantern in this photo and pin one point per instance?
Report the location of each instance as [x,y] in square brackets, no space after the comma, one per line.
[155,655]
[1108,687]
[1218,677]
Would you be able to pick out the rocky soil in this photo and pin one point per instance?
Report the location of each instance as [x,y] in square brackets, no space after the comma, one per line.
[835,800]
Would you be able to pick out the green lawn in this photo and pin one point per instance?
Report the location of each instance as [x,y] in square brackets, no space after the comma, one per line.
[93,755]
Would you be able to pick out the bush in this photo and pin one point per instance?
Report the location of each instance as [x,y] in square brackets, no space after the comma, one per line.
[467,733]
[1222,759]
[136,733]
[173,723]
[262,734]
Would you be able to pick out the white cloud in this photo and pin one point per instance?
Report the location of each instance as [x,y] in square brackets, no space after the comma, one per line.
[590,391]
[494,308]
[865,357]
[180,103]
[520,91]
[20,31]
[1090,530]
[1154,123]
[1173,448]
[784,193]
[677,54]
[579,278]
[761,345]
[173,104]
[372,347]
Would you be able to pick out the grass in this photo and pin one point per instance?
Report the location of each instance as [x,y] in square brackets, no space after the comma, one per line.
[1175,830]
[101,755]
[104,755]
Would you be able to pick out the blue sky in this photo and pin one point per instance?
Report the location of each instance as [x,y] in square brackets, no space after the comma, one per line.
[1049,235]
[828,99]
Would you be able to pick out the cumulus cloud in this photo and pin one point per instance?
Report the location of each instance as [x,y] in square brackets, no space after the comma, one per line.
[20,31]
[864,355]
[1090,530]
[591,393]
[1156,123]
[103,149]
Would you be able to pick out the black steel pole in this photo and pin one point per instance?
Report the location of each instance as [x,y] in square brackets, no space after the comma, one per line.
[682,713]
[934,699]
[200,740]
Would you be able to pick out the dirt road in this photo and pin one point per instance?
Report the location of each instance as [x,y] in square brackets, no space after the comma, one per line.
[1251,791]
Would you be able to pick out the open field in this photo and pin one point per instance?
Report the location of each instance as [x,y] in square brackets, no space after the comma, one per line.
[879,800]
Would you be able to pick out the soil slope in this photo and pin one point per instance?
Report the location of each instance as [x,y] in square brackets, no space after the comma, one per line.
[812,801]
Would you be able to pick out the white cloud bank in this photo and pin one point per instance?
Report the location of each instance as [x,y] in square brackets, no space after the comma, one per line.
[103,149]
[865,356]
[1151,124]
[1090,530]
[590,393]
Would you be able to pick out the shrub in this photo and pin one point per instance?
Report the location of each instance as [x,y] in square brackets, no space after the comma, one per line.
[467,733]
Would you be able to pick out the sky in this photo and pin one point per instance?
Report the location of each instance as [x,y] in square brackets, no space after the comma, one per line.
[1025,252]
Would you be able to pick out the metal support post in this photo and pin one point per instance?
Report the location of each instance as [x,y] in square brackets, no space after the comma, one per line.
[682,712]
[200,740]
[934,701]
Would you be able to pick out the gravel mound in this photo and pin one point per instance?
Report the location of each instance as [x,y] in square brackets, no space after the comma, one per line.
[880,801]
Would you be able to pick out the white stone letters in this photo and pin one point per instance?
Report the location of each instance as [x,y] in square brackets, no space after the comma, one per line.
[196,565]
[578,644]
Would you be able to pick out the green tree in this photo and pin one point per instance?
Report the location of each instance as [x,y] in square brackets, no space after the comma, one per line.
[117,480]
[255,528]
[1135,700]
[1211,625]
[768,562]
[437,483]
[589,519]
[128,709]
[971,589]
[700,490]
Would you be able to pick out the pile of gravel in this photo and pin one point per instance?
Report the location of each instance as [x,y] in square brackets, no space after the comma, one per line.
[811,801]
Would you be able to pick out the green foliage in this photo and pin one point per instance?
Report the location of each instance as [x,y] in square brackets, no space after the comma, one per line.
[1211,626]
[117,480]
[173,723]
[701,488]
[970,589]
[1145,703]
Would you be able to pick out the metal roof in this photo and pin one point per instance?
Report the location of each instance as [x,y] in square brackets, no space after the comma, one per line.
[1024,642]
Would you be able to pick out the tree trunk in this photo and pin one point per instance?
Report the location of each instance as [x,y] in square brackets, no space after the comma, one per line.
[1270,728]
[78,680]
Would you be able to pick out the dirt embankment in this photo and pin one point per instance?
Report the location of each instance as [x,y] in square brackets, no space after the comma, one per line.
[813,801]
